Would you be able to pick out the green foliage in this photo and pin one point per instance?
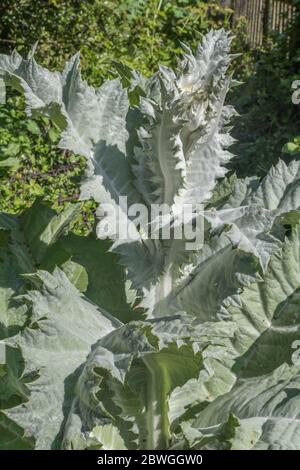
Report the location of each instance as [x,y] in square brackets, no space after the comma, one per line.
[30,147]
[31,167]
[292,148]
[139,33]
[269,119]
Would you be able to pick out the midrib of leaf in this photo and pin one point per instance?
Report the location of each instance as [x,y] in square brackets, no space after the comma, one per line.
[165,284]
[157,410]
[163,162]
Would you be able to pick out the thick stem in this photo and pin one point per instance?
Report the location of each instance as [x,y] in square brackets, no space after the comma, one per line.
[157,410]
[165,284]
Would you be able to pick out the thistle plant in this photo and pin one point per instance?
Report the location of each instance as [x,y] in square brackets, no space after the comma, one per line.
[139,342]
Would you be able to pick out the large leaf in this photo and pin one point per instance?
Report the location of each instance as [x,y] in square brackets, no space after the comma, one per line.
[24,243]
[13,436]
[127,381]
[270,403]
[39,239]
[266,389]
[267,313]
[63,327]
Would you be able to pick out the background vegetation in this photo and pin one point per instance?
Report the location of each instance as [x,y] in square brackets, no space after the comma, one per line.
[141,34]
[270,122]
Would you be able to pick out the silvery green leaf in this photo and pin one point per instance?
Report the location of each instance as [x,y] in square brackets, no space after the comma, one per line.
[108,437]
[127,380]
[271,402]
[63,327]
[234,434]
[280,189]
[25,241]
[267,313]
